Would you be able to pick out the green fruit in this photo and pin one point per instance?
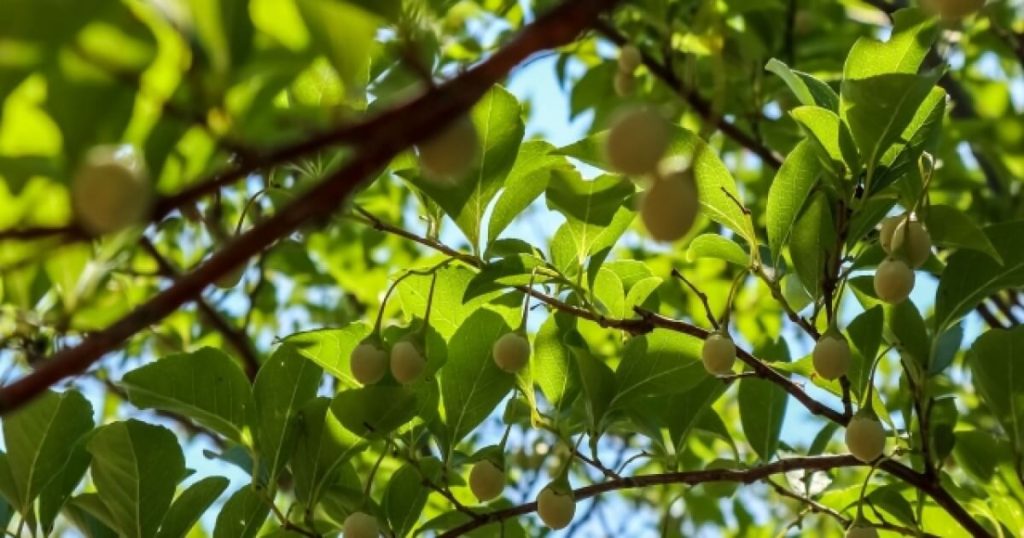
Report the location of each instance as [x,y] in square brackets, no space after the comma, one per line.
[449,155]
[894,280]
[486,480]
[555,509]
[407,363]
[369,363]
[360,525]
[629,59]
[885,232]
[831,356]
[511,352]
[624,83]
[637,140]
[110,190]
[861,530]
[669,207]
[952,10]
[865,438]
[718,354]
[913,243]
[230,279]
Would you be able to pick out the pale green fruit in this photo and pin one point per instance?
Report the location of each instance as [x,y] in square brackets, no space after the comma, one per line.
[885,232]
[449,155]
[913,243]
[407,363]
[637,140]
[865,438]
[861,530]
[624,83]
[486,480]
[110,190]
[894,280]
[952,10]
[669,207]
[360,525]
[555,509]
[831,356]
[718,354]
[369,363]
[629,59]
[511,352]
[231,278]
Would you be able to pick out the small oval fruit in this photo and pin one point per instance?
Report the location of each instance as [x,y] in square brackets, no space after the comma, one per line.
[555,509]
[831,356]
[511,352]
[629,59]
[913,243]
[486,480]
[624,83]
[360,525]
[450,154]
[953,10]
[861,530]
[407,363]
[865,438]
[230,279]
[637,140]
[110,190]
[718,354]
[894,280]
[887,228]
[369,363]
[669,207]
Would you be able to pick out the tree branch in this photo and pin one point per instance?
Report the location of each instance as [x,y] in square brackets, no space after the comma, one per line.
[381,138]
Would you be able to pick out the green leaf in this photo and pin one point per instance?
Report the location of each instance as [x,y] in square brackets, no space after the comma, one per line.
[949,227]
[205,385]
[889,499]
[866,332]
[910,332]
[551,363]
[808,89]
[999,379]
[763,407]
[91,516]
[660,363]
[374,410]
[242,515]
[472,385]
[913,33]
[686,409]
[716,246]
[813,240]
[506,272]
[285,383]
[331,349]
[225,31]
[499,124]
[190,506]
[40,439]
[921,134]
[788,193]
[324,445]
[610,293]
[597,211]
[56,494]
[449,310]
[407,492]
[527,180]
[598,381]
[945,348]
[346,34]
[971,276]
[830,137]
[136,468]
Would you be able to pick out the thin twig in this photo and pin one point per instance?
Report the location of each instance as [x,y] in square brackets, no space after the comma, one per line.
[700,295]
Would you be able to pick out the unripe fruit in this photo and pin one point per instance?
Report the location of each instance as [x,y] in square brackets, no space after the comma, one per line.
[511,352]
[449,155]
[952,10]
[486,480]
[555,509]
[885,232]
[861,530]
[865,438]
[360,525]
[110,191]
[718,354]
[831,356]
[636,141]
[629,59]
[913,243]
[894,280]
[407,363]
[369,363]
[231,278]
[625,84]
[669,207]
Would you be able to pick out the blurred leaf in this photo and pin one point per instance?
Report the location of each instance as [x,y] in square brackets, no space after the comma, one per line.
[999,380]
[346,34]
[949,227]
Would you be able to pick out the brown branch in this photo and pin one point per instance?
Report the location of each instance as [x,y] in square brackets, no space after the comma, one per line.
[382,137]
[237,338]
[694,99]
